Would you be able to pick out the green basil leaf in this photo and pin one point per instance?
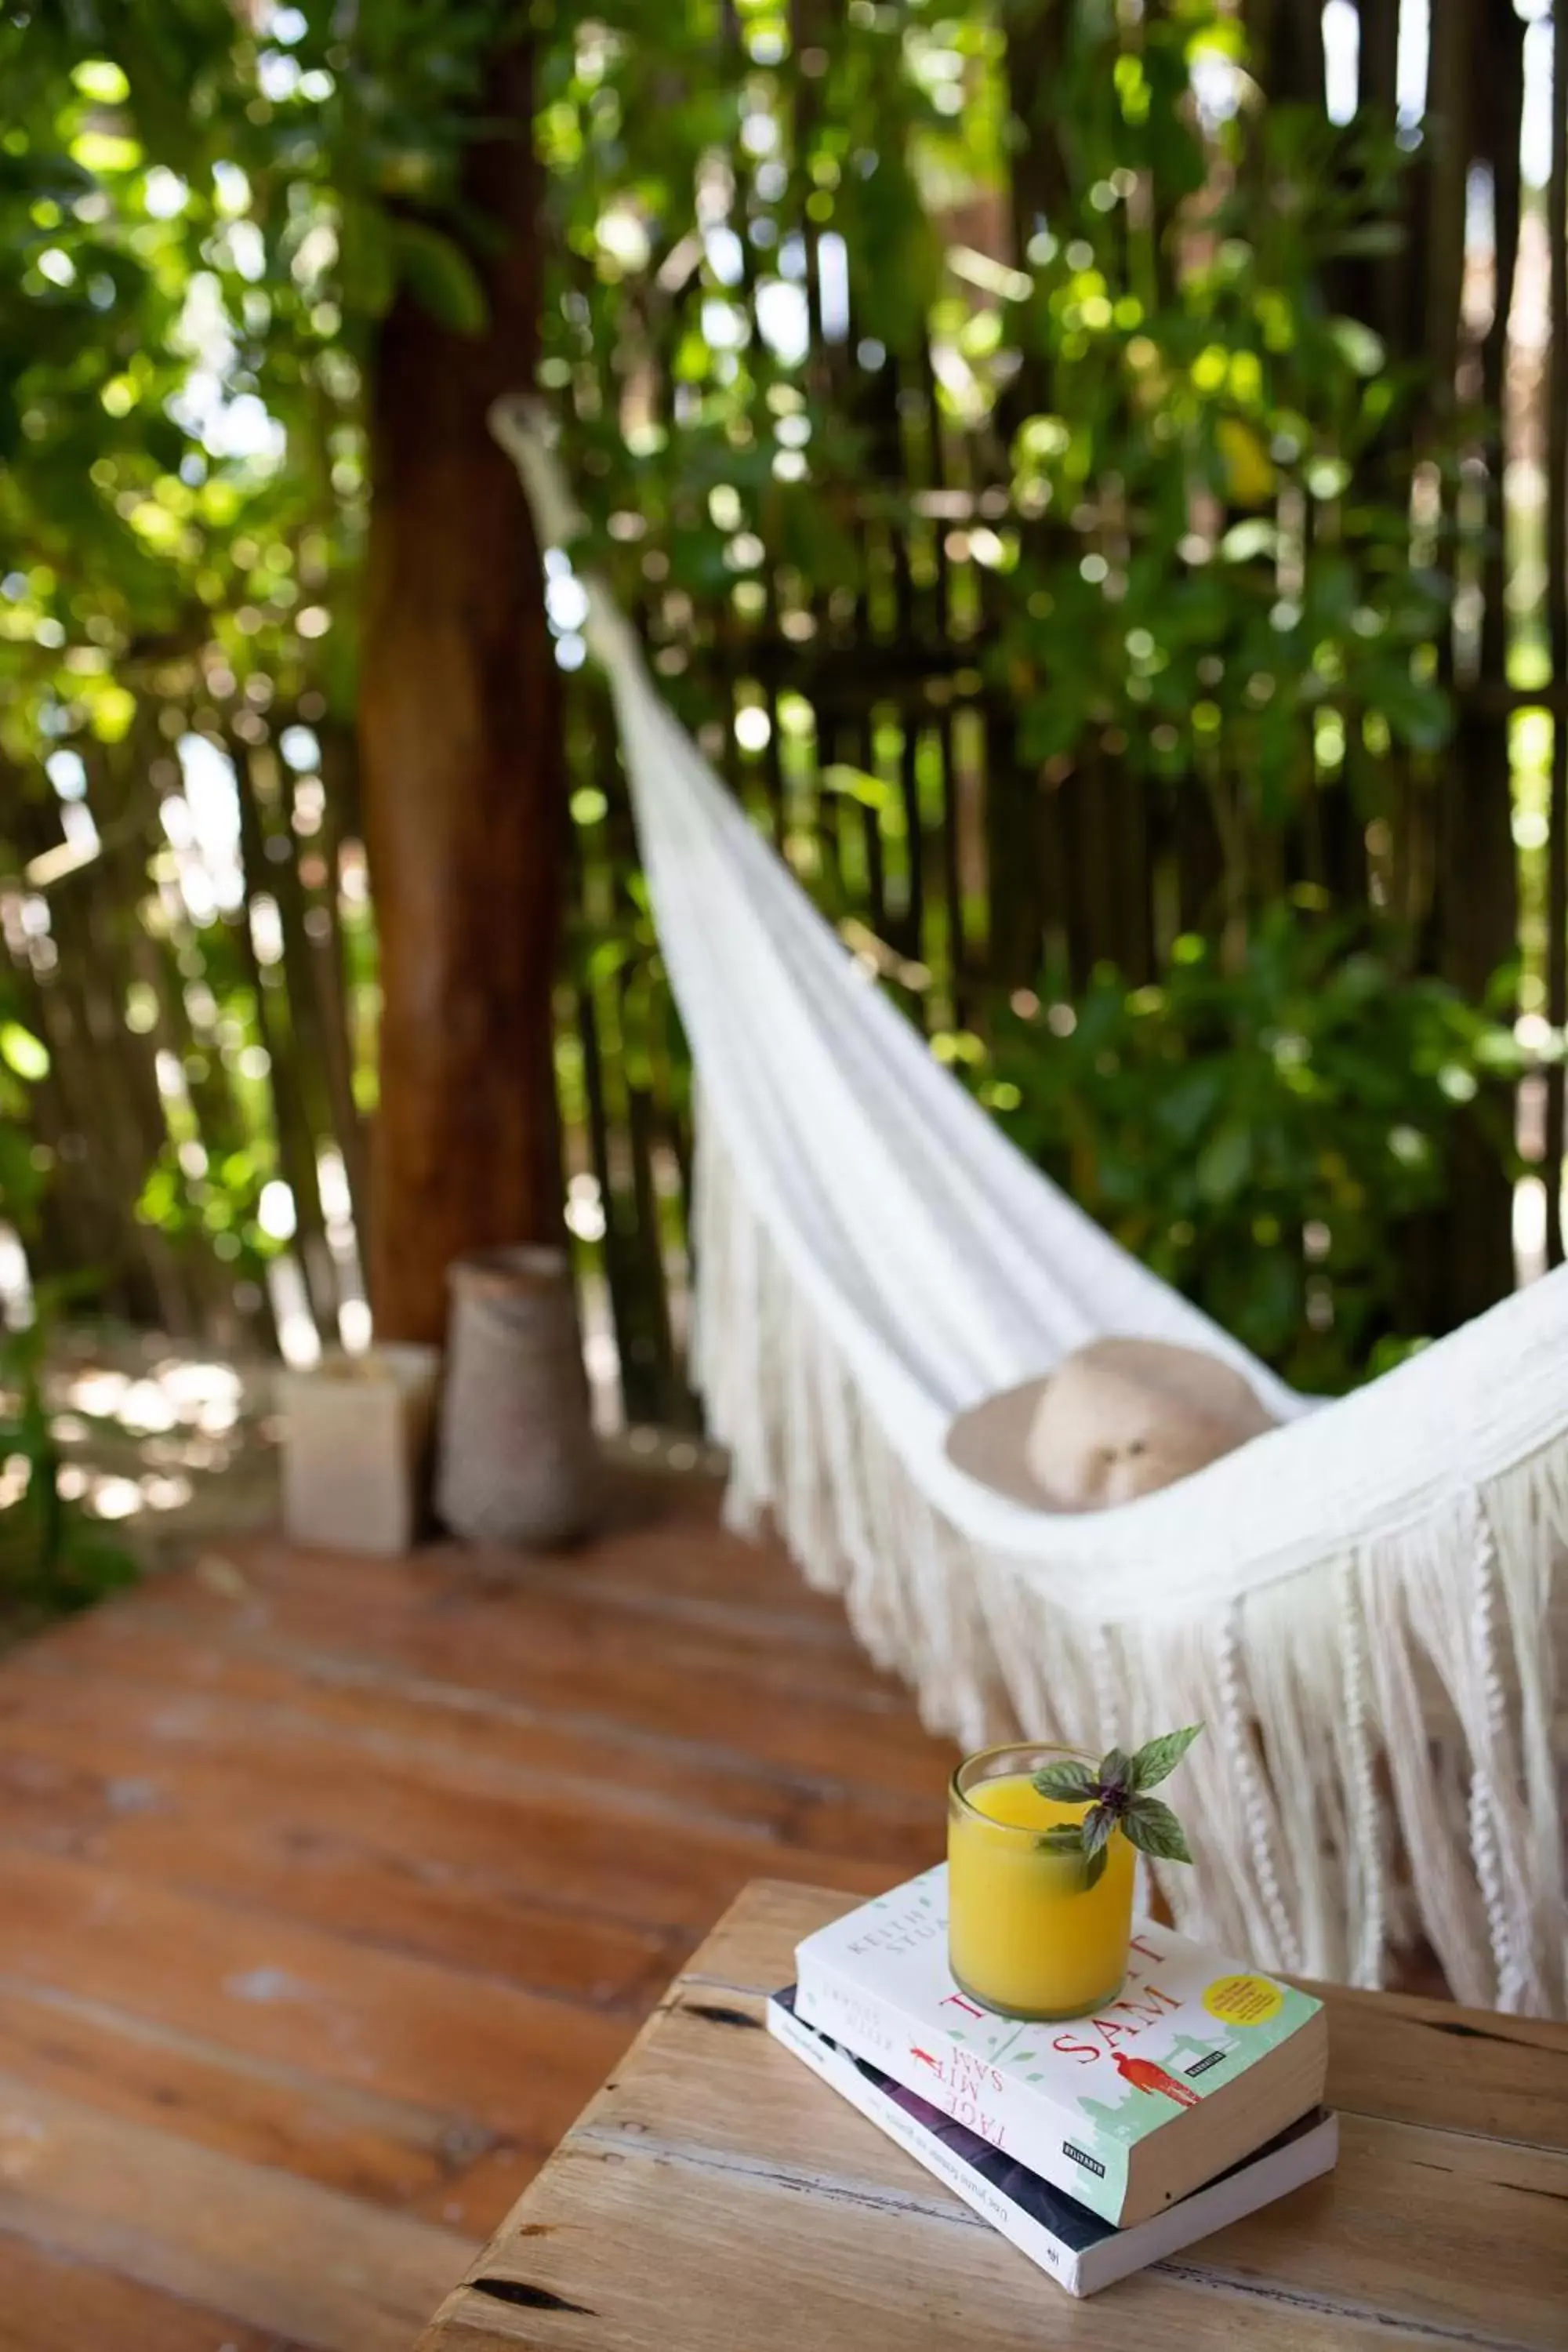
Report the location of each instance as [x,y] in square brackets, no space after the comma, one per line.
[1094,1868]
[1154,1830]
[1069,1783]
[1065,1838]
[1096,1827]
[1116,1769]
[1162,1756]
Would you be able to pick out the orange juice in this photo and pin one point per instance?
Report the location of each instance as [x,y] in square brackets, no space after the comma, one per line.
[1025,1934]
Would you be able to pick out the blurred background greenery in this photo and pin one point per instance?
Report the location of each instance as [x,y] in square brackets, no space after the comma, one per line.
[1086,473]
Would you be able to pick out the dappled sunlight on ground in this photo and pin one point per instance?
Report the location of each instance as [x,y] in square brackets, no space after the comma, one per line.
[170,1447]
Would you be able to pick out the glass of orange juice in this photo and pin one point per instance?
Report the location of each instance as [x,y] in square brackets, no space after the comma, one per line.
[1028,1934]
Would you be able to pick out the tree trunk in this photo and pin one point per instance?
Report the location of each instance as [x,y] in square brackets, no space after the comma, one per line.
[460,770]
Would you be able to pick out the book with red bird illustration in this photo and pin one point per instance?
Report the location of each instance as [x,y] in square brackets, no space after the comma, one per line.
[1077,2248]
[1198,2061]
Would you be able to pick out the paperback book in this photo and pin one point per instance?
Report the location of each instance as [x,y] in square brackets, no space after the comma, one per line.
[1198,2061]
[1079,2249]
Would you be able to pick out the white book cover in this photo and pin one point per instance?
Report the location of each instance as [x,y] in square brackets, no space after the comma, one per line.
[1076,2247]
[1107,2107]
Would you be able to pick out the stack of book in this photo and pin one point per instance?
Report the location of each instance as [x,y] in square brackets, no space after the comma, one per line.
[1097,2145]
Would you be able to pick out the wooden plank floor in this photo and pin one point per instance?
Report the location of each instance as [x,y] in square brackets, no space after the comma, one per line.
[330,1889]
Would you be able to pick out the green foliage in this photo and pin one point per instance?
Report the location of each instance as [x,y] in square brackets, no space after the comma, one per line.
[53,1559]
[1197,564]
[184,514]
[1208,571]
[1268,1138]
[179,409]
[1215,571]
[23,1061]
[688,179]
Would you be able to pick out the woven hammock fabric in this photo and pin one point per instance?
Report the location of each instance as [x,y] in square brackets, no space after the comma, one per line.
[1359,1604]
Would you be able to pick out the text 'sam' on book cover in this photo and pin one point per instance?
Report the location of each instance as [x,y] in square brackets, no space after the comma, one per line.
[1196,2063]
[1076,2247]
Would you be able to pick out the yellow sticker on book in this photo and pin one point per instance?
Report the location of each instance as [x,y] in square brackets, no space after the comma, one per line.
[1243,2000]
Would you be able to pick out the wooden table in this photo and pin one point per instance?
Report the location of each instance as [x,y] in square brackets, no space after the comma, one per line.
[717,2198]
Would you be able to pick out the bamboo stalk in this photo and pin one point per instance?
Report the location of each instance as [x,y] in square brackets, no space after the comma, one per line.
[950,867]
[110,1081]
[217,1126]
[664,1382]
[339,779]
[1557,630]
[634,1259]
[296,1143]
[587,877]
[1474,925]
[106,905]
[863,750]
[1285,43]
[1450,95]
[914,923]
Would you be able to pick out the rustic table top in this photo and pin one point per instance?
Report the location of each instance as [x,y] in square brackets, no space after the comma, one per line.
[717,2198]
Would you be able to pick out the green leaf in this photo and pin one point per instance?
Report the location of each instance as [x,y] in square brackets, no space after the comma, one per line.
[1362,349]
[367,266]
[1069,1842]
[1115,1769]
[1223,1164]
[871,791]
[1420,714]
[1191,1102]
[27,1055]
[1154,1830]
[1096,1827]
[1246,541]
[440,273]
[1065,1838]
[1159,1757]
[1069,1783]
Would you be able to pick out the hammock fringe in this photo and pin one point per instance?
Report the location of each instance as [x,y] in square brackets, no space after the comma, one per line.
[1360,1605]
[1380,1752]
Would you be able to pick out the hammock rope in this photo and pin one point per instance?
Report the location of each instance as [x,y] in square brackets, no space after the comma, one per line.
[1360,1603]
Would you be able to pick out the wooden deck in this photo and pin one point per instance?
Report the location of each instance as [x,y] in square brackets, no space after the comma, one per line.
[330,1889]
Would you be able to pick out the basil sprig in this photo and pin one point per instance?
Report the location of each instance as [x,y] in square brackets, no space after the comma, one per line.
[1116,1792]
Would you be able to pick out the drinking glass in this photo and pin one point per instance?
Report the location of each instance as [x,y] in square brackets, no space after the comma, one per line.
[1028,1934]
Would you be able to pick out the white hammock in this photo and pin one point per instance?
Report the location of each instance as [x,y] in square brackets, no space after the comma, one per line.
[1358,1604]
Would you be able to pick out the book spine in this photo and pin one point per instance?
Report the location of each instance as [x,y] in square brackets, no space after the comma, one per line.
[1031,2238]
[1047,2139]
